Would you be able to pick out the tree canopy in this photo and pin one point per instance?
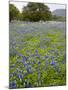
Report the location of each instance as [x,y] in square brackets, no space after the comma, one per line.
[13,12]
[36,12]
[32,12]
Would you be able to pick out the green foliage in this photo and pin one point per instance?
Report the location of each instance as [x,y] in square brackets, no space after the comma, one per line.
[13,12]
[33,12]
[36,12]
[58,18]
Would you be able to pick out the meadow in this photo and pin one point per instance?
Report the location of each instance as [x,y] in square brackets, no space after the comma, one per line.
[37,56]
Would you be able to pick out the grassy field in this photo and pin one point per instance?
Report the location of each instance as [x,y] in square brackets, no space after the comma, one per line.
[37,54]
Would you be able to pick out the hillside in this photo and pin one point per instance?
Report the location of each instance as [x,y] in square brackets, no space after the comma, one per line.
[59,12]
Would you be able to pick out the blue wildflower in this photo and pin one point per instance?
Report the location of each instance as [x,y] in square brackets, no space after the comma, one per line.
[38,55]
[12,84]
[28,69]
[38,65]
[25,64]
[46,56]
[52,63]
[36,51]
[27,51]
[20,76]
[24,59]
[46,64]
[39,62]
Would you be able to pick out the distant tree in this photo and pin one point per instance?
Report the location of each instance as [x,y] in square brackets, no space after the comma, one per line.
[20,16]
[58,18]
[36,12]
[13,12]
[54,17]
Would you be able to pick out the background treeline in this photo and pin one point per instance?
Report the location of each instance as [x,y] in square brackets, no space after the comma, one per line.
[33,12]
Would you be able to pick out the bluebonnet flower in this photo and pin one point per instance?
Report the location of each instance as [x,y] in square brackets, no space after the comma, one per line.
[53,62]
[38,55]
[20,76]
[25,64]
[28,69]
[12,84]
[27,51]
[38,65]
[38,62]
[46,64]
[24,59]
[36,51]
[46,56]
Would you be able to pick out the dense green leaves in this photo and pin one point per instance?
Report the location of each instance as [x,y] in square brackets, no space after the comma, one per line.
[36,12]
[13,12]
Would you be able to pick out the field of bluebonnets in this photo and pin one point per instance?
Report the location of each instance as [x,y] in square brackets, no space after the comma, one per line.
[37,54]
